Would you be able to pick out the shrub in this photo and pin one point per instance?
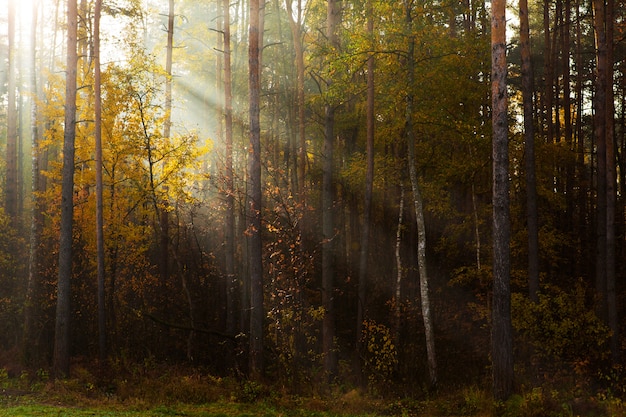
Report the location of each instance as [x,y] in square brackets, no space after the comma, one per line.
[381,356]
[561,327]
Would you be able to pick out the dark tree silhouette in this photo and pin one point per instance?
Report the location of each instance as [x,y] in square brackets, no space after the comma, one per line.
[501,333]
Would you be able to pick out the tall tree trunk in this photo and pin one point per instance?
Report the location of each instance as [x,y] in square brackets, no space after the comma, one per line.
[398,284]
[556,88]
[369,186]
[418,206]
[169,49]
[29,348]
[61,359]
[501,333]
[611,177]
[163,210]
[214,169]
[114,251]
[328,228]
[476,225]
[529,140]
[254,198]
[11,187]
[421,261]
[568,133]
[581,223]
[20,151]
[296,33]
[287,94]
[328,247]
[600,136]
[229,233]
[547,76]
[99,189]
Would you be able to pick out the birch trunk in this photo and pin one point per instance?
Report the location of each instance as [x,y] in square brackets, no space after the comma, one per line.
[419,210]
[398,284]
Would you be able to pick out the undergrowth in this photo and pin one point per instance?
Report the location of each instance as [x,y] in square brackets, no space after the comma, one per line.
[159,391]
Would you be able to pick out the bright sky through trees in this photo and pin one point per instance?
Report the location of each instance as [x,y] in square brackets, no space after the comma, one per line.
[23,11]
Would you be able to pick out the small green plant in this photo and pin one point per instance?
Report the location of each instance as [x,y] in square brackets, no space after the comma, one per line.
[251,391]
[613,380]
[474,400]
[166,411]
[24,381]
[5,382]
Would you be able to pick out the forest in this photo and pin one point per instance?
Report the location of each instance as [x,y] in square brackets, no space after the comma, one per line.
[403,197]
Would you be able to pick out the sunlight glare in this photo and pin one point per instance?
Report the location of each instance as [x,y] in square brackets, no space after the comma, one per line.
[23,8]
[23,13]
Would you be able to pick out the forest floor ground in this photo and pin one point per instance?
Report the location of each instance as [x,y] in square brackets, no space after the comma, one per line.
[173,392]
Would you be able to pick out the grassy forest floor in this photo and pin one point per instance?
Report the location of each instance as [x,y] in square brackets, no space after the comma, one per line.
[174,392]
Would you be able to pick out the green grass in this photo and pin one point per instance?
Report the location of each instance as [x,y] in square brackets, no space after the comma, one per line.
[220,409]
[174,392]
[468,403]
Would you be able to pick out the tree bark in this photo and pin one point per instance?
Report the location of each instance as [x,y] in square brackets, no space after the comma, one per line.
[600,136]
[169,50]
[568,131]
[532,221]
[548,70]
[102,349]
[476,226]
[296,33]
[581,225]
[369,186]
[328,247]
[421,263]
[29,350]
[419,207]
[229,225]
[605,119]
[61,360]
[398,284]
[254,198]
[501,333]
[611,194]
[163,210]
[11,187]
[328,228]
